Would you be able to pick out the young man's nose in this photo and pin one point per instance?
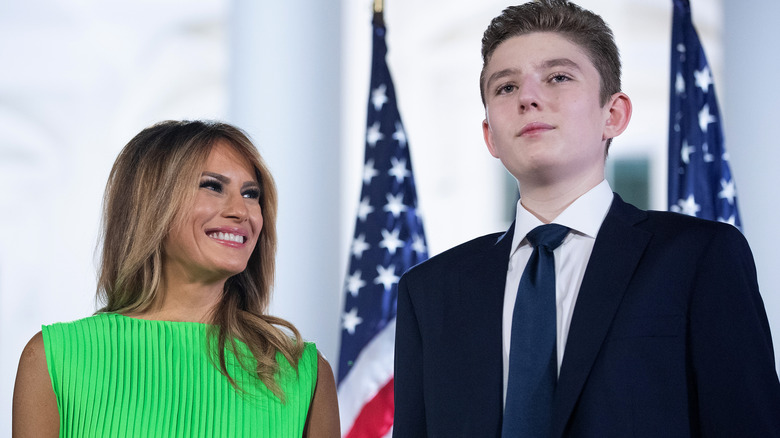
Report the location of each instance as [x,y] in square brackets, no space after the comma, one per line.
[528,97]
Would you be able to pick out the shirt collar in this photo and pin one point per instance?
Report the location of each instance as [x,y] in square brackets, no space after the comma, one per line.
[584,216]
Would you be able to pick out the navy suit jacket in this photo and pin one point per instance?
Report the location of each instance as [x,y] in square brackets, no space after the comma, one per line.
[669,337]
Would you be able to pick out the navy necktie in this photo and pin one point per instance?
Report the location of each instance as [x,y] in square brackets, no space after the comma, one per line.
[533,360]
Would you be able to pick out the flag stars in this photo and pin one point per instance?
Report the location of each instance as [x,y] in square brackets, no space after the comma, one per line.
[386,219]
[679,84]
[686,151]
[386,276]
[728,191]
[705,118]
[364,209]
[369,171]
[354,283]
[700,180]
[677,117]
[395,205]
[703,79]
[351,321]
[688,206]
[359,246]
[373,135]
[399,135]
[418,245]
[379,97]
[708,157]
[732,220]
[398,169]
[390,241]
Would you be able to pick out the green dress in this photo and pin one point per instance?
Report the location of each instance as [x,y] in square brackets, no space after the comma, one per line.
[116,376]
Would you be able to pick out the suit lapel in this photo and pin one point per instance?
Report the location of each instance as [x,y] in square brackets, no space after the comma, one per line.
[483,281]
[617,251]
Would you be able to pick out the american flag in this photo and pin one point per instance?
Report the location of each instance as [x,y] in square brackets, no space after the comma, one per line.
[388,240]
[700,181]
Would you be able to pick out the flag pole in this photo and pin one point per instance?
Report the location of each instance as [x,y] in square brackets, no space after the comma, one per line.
[379,7]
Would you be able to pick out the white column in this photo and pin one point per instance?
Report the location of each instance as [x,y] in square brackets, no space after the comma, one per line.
[285,92]
[750,116]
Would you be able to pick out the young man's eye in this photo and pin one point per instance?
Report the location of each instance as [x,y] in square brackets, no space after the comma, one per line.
[560,78]
[504,89]
[210,184]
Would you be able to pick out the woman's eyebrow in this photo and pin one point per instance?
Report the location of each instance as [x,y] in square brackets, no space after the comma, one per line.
[217,176]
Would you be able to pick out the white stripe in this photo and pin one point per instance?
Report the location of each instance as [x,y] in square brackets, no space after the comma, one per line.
[372,370]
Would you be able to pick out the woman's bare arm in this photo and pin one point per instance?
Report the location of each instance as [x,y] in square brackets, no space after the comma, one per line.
[323,418]
[35,411]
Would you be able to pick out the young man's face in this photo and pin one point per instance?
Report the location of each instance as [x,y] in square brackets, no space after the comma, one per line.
[543,119]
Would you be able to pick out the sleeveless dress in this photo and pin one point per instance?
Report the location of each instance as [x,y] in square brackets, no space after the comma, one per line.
[116,376]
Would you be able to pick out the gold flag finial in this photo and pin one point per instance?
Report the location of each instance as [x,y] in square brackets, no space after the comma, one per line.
[379,8]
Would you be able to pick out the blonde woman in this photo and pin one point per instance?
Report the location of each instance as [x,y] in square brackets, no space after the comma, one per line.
[183,346]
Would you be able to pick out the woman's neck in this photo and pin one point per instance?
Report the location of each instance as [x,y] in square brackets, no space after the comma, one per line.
[184,301]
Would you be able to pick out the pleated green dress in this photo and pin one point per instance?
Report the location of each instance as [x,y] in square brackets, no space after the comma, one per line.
[116,376]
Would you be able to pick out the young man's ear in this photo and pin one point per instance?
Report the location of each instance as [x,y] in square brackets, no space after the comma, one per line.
[488,138]
[618,113]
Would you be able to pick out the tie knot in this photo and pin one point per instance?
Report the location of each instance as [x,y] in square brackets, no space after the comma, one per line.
[550,236]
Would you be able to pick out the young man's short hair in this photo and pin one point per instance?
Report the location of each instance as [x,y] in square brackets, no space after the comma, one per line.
[580,26]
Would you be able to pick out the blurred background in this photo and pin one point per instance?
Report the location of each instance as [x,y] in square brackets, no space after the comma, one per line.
[80,78]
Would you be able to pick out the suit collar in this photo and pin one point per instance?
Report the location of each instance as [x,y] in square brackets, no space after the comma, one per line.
[616,253]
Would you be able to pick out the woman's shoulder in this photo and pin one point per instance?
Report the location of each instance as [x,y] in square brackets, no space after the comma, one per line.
[33,352]
[318,365]
[34,403]
[315,360]
[324,370]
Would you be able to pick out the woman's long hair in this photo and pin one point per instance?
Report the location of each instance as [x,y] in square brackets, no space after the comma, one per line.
[152,183]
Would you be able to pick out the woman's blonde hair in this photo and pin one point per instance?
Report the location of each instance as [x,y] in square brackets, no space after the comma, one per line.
[152,183]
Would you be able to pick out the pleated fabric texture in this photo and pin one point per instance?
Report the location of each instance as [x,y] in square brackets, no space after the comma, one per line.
[116,376]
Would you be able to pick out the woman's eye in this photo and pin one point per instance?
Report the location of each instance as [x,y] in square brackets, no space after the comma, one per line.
[211,185]
[251,194]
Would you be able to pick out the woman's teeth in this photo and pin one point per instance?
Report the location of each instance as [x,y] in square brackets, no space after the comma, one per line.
[227,236]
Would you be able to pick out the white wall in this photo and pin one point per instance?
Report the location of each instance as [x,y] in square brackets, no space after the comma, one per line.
[78,80]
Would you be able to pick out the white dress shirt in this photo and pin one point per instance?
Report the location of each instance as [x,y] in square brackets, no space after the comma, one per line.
[584,217]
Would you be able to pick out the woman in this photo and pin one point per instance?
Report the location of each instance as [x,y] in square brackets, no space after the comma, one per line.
[183,345]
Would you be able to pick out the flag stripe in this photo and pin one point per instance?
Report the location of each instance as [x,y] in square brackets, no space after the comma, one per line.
[372,370]
[376,418]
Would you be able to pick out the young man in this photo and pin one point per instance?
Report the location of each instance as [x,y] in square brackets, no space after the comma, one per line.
[656,326]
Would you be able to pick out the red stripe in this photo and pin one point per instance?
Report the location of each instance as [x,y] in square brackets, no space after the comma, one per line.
[376,417]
